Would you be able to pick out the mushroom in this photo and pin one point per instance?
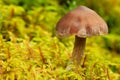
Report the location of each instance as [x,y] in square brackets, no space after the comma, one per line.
[81,22]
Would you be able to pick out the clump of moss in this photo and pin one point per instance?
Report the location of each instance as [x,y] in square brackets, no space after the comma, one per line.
[47,57]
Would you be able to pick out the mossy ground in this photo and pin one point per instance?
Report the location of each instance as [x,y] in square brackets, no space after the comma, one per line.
[29,49]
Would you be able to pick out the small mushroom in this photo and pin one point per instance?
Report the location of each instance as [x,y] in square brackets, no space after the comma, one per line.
[81,22]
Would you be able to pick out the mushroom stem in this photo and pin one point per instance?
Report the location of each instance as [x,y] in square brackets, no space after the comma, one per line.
[78,50]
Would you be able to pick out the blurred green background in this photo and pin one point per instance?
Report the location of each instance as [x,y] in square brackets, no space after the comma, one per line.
[29,49]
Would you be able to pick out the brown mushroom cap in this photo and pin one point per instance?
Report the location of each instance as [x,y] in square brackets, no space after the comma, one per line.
[82,22]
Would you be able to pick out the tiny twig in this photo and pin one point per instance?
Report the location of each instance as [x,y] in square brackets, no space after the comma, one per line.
[29,50]
[12,13]
[9,54]
[91,72]
[41,55]
[108,74]
[84,60]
